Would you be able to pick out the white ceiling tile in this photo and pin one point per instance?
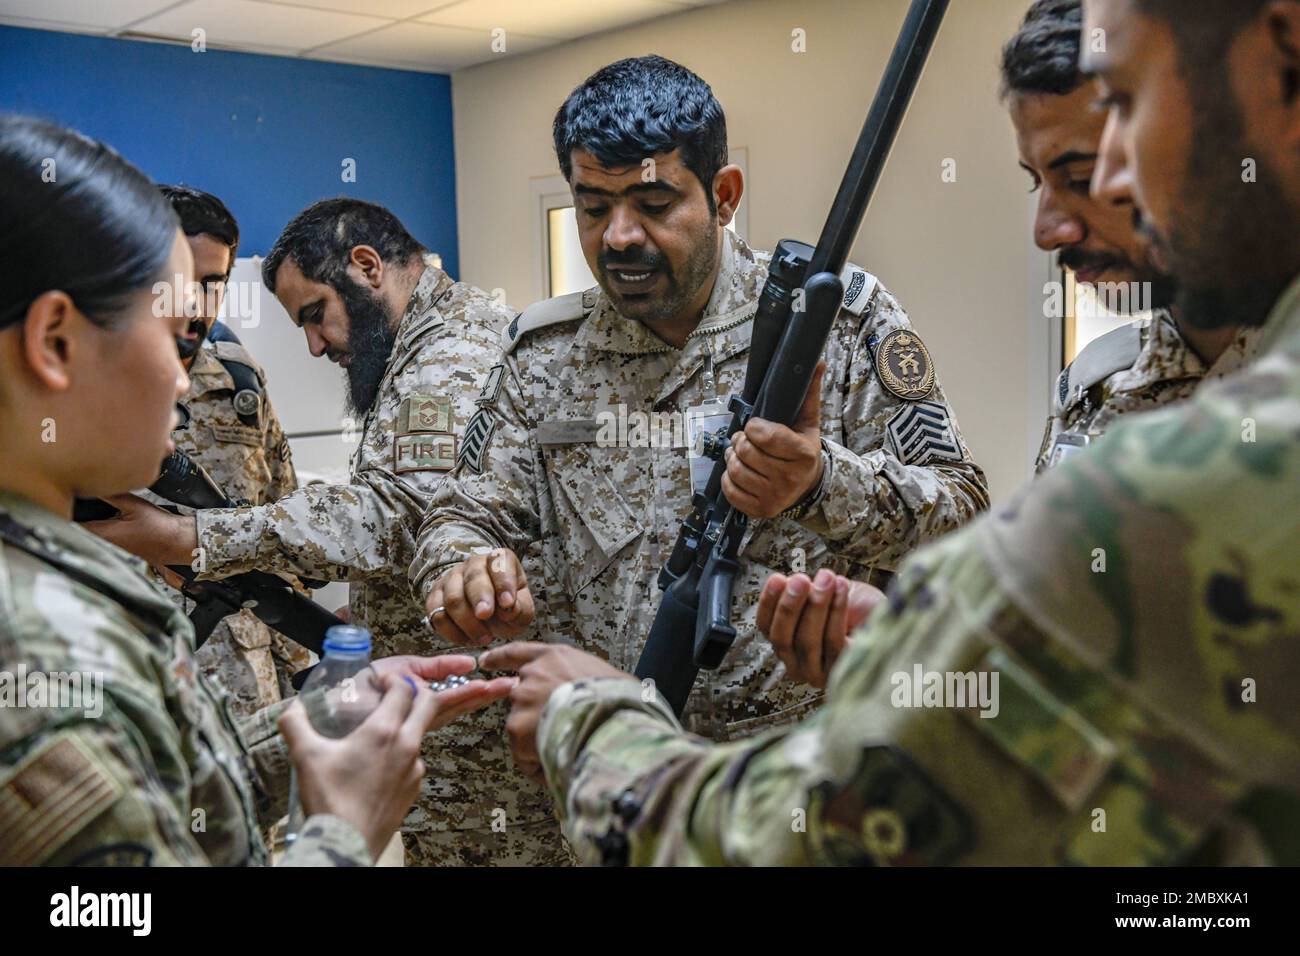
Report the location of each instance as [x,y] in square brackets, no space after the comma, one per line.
[429,48]
[53,26]
[86,13]
[565,19]
[438,35]
[393,9]
[247,22]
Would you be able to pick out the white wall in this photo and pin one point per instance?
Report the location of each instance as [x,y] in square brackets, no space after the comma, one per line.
[307,393]
[957,254]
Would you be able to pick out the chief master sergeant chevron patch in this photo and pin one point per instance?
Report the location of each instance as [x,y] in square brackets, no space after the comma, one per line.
[921,432]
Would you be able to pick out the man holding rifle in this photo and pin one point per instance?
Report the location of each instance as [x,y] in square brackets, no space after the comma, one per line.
[1133,612]
[584,435]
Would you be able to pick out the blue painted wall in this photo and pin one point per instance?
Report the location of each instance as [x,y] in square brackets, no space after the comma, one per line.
[266,134]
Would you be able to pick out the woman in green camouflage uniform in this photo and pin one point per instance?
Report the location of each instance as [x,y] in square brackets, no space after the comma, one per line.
[113,749]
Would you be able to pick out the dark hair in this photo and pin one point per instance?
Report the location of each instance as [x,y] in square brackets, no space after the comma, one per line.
[641,106]
[76,217]
[320,239]
[1043,56]
[1203,29]
[204,214]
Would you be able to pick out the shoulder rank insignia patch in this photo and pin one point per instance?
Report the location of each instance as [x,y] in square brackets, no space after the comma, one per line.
[922,431]
[904,366]
[491,386]
[425,413]
[475,444]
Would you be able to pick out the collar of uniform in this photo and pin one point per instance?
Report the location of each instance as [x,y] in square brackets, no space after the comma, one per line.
[726,317]
[207,373]
[1283,325]
[1241,351]
[421,311]
[120,572]
[1165,357]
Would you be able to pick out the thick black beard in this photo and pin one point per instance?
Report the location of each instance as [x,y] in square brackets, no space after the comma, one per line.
[371,336]
[1233,244]
[1164,290]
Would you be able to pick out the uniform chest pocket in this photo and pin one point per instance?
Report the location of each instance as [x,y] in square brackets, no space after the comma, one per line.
[236,461]
[594,521]
[248,632]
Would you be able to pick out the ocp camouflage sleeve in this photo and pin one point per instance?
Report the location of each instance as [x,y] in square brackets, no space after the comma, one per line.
[110,798]
[126,818]
[269,757]
[900,471]
[1098,673]
[490,499]
[1063,770]
[328,841]
[636,790]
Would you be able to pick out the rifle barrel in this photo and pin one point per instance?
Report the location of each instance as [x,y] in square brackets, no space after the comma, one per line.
[878,134]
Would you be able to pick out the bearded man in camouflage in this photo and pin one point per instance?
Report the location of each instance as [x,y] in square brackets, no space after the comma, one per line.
[414,343]
[1136,367]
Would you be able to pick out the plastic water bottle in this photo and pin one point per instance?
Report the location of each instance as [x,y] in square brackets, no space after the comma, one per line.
[337,699]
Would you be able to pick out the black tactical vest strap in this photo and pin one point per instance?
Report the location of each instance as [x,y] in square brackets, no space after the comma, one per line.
[248,391]
[23,538]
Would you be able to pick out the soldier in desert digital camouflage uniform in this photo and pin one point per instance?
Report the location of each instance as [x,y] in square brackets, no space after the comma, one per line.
[1132,369]
[414,397]
[1137,367]
[250,461]
[235,435]
[1144,711]
[546,459]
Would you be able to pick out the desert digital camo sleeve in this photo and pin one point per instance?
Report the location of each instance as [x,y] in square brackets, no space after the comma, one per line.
[900,472]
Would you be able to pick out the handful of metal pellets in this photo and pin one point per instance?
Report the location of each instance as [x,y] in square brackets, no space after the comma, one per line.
[447,683]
